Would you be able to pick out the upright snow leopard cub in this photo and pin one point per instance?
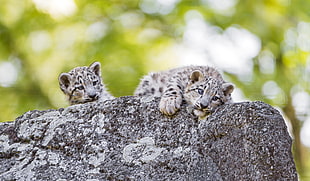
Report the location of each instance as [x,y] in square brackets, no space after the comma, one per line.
[201,87]
[84,84]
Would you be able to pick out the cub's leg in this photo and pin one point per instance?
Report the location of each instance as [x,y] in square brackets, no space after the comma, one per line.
[171,99]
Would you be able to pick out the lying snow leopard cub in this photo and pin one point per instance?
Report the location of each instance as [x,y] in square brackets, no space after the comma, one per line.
[202,88]
[84,84]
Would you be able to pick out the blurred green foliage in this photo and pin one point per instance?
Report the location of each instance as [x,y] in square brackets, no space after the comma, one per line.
[39,39]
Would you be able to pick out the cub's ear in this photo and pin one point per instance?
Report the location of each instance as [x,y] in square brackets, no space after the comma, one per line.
[64,80]
[228,88]
[196,76]
[95,67]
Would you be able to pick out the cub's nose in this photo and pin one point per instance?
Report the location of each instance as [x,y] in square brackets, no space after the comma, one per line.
[203,105]
[92,94]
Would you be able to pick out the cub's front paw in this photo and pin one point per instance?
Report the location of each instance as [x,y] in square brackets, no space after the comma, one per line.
[170,105]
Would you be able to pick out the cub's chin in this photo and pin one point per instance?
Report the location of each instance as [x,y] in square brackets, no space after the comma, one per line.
[202,114]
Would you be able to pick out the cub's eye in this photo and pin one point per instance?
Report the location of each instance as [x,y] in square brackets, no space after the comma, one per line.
[215,98]
[200,91]
[80,87]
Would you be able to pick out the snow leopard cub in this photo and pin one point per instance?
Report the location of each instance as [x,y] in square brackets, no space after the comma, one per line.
[84,84]
[201,87]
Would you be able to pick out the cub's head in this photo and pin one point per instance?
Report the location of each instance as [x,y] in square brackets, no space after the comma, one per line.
[82,84]
[204,94]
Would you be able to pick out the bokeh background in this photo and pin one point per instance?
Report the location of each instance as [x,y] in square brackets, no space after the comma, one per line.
[263,47]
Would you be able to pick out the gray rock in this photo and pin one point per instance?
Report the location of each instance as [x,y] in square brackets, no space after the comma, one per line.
[129,139]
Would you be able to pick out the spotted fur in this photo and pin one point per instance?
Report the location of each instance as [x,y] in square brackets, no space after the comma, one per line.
[201,87]
[84,84]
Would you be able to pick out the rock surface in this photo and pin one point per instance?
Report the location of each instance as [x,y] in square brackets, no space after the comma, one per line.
[129,139]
